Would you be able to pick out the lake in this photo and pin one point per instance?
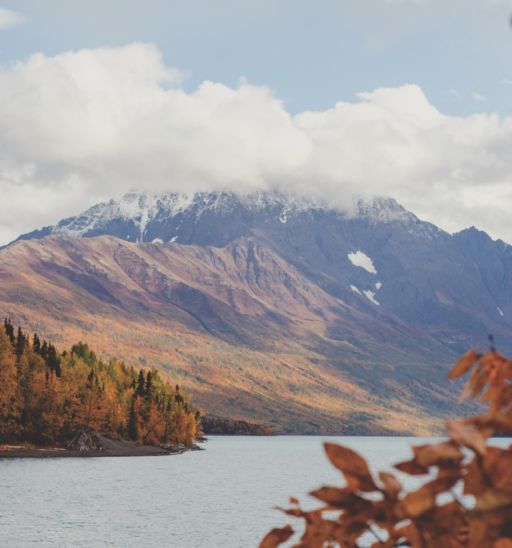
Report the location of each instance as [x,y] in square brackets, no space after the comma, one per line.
[221,497]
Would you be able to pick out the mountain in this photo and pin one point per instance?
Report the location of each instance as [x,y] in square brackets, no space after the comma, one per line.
[271,307]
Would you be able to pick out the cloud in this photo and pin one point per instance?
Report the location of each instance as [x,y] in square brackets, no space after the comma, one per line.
[478,97]
[9,18]
[88,125]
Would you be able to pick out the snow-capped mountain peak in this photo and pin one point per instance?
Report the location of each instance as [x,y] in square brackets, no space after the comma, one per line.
[214,218]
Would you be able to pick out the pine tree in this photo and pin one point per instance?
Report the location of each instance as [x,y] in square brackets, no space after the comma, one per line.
[149,386]
[36,344]
[52,360]
[133,430]
[21,343]
[141,385]
[9,329]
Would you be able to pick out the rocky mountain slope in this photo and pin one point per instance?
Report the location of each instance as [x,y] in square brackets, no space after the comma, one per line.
[271,307]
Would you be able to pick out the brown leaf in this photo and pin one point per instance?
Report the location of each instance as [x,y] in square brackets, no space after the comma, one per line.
[424,499]
[479,384]
[487,425]
[503,543]
[477,533]
[418,502]
[466,436]
[475,482]
[352,465]
[409,532]
[294,500]
[492,499]
[464,364]
[333,496]
[343,499]
[477,373]
[434,454]
[318,532]
[497,465]
[450,470]
[392,486]
[277,537]
[295,512]
[412,468]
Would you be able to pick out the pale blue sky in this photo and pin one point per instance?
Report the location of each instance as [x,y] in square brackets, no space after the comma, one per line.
[311,54]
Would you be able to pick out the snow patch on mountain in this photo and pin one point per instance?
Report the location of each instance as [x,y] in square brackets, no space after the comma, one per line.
[360,259]
[370,295]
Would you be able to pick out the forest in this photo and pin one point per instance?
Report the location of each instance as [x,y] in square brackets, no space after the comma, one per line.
[234,427]
[46,396]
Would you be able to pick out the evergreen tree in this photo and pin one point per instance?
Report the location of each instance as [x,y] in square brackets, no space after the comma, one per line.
[9,329]
[52,360]
[141,385]
[133,430]
[36,344]
[21,343]
[149,386]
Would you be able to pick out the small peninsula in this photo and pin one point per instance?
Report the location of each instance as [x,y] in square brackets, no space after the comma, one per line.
[73,403]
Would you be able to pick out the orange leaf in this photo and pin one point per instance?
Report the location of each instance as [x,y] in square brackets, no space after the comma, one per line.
[466,436]
[411,467]
[340,498]
[276,537]
[433,454]
[492,499]
[352,465]
[503,543]
[418,502]
[332,496]
[477,373]
[475,482]
[463,365]
[497,467]
[424,499]
[479,384]
[392,486]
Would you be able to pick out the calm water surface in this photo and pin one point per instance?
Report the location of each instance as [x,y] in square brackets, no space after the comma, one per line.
[221,497]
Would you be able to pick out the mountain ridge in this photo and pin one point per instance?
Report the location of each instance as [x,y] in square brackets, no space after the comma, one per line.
[375,297]
[138,209]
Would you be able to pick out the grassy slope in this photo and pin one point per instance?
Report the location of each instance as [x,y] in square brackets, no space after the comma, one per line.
[240,328]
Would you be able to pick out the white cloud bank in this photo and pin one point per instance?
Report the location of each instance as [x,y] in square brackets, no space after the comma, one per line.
[9,18]
[88,125]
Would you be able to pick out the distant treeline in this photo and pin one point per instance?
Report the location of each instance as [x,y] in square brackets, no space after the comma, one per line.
[233,427]
[46,396]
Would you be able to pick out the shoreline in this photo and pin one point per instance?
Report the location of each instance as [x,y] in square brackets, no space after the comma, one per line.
[17,452]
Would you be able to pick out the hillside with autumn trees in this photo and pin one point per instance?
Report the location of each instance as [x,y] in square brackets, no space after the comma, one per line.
[46,396]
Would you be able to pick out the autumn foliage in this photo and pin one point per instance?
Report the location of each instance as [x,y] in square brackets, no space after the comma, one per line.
[46,396]
[464,500]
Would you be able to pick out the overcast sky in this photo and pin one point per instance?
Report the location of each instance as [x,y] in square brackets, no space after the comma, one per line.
[403,98]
